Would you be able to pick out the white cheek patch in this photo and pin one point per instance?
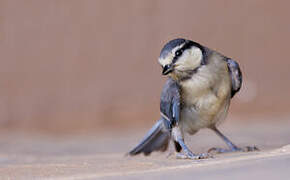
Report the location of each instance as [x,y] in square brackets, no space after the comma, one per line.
[190,59]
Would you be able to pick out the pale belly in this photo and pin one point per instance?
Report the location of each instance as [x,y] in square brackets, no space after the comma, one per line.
[205,97]
[206,111]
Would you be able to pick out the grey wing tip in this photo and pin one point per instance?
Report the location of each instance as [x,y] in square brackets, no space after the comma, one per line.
[157,139]
[137,151]
[131,153]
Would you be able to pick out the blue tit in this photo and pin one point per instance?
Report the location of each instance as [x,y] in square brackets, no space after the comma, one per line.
[201,83]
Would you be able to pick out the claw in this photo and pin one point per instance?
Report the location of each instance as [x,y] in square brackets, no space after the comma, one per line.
[221,150]
[250,148]
[193,156]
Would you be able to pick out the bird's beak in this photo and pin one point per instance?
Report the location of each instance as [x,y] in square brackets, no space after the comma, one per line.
[167,69]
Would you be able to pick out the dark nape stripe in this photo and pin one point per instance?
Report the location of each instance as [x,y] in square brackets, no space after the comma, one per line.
[204,54]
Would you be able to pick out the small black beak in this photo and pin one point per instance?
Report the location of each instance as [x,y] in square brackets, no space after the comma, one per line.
[167,69]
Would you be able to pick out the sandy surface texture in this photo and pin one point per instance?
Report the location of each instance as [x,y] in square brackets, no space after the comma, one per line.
[35,156]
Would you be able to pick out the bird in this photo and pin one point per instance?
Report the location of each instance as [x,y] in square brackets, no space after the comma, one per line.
[201,83]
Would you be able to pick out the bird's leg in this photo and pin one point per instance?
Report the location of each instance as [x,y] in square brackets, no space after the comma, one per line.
[186,153]
[232,146]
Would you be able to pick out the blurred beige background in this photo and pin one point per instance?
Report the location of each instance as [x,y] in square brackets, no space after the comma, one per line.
[86,66]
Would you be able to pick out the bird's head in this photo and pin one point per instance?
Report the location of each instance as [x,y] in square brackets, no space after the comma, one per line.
[180,56]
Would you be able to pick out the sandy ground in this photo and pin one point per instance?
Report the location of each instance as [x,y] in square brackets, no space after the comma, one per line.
[35,156]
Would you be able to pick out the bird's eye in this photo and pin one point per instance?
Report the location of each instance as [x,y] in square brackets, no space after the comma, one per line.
[178,52]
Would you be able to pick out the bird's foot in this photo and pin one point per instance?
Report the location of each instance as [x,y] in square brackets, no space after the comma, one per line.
[250,148]
[190,155]
[235,149]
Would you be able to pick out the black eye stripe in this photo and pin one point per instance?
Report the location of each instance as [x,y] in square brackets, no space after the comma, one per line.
[179,52]
[188,44]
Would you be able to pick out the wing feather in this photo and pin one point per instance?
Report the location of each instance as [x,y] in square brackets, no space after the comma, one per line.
[170,101]
[236,76]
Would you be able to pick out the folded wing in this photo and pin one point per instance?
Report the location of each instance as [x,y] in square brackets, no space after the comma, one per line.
[158,137]
[236,76]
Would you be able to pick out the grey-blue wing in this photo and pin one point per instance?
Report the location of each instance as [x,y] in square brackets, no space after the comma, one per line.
[170,102]
[236,76]
[157,139]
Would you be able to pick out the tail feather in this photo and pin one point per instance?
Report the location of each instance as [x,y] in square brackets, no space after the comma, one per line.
[157,139]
